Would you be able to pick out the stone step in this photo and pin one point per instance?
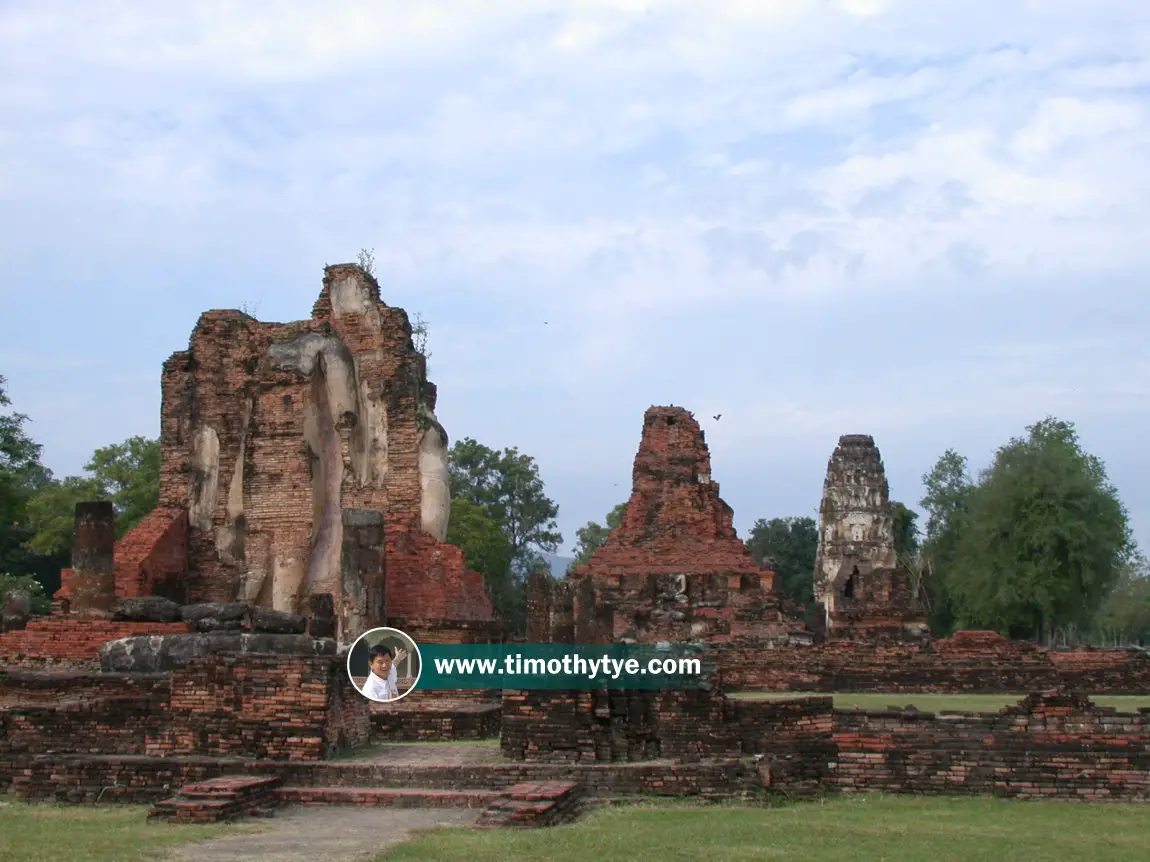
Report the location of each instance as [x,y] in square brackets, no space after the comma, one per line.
[227,797]
[231,786]
[394,797]
[533,805]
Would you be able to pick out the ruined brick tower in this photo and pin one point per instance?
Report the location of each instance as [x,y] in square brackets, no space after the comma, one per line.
[859,584]
[304,459]
[675,569]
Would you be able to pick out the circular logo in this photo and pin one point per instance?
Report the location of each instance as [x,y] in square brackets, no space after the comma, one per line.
[384,664]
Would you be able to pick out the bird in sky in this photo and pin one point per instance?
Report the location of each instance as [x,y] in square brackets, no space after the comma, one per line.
[718,416]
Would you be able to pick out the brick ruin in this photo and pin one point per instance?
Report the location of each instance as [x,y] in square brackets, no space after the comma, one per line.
[200,653]
[861,589]
[675,569]
[273,435]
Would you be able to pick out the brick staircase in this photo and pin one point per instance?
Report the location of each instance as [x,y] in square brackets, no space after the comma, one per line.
[532,805]
[228,797]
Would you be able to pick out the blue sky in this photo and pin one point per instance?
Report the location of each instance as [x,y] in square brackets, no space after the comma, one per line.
[926,222]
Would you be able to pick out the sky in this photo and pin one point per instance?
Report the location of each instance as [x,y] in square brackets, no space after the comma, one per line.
[925,221]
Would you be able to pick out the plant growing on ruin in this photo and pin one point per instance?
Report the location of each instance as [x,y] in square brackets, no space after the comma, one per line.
[366,259]
[419,333]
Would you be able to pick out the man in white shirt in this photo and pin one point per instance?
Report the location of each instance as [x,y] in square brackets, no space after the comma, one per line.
[380,685]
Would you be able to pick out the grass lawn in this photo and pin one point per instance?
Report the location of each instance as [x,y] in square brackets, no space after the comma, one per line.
[75,833]
[936,702]
[869,827]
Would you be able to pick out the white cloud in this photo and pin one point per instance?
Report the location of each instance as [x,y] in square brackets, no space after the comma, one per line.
[680,188]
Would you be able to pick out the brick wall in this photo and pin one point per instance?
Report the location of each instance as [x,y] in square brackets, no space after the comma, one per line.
[684,726]
[280,707]
[67,641]
[112,725]
[429,580]
[971,662]
[152,558]
[1049,747]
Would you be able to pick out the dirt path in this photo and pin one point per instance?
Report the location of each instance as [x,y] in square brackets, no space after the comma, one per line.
[323,834]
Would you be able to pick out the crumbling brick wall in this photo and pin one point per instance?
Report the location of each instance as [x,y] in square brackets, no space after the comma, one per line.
[112,725]
[269,431]
[675,568]
[1051,746]
[690,726]
[152,558]
[968,662]
[267,706]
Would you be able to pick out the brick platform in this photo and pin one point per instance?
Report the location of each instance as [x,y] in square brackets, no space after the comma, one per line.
[220,799]
[433,716]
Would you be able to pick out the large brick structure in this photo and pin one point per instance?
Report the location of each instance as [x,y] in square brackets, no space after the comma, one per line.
[860,586]
[675,569]
[273,437]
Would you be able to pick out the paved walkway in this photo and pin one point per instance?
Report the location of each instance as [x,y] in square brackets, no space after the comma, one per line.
[323,834]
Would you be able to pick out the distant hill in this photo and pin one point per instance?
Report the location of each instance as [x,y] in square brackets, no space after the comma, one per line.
[558,564]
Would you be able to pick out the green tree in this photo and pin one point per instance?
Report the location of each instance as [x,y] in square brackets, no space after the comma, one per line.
[1044,538]
[789,546]
[948,488]
[1124,616]
[590,537]
[21,476]
[127,474]
[905,526]
[506,488]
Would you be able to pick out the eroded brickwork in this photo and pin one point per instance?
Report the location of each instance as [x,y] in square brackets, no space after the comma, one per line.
[279,707]
[1050,746]
[968,662]
[270,431]
[675,569]
[862,589]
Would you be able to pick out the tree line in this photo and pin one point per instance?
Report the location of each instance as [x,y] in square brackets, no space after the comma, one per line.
[1035,545]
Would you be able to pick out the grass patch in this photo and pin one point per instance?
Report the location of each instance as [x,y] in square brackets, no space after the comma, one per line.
[935,702]
[872,827]
[32,832]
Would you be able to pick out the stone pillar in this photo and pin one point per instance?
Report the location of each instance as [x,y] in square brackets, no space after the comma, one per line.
[93,569]
[538,608]
[586,628]
[363,574]
[563,613]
